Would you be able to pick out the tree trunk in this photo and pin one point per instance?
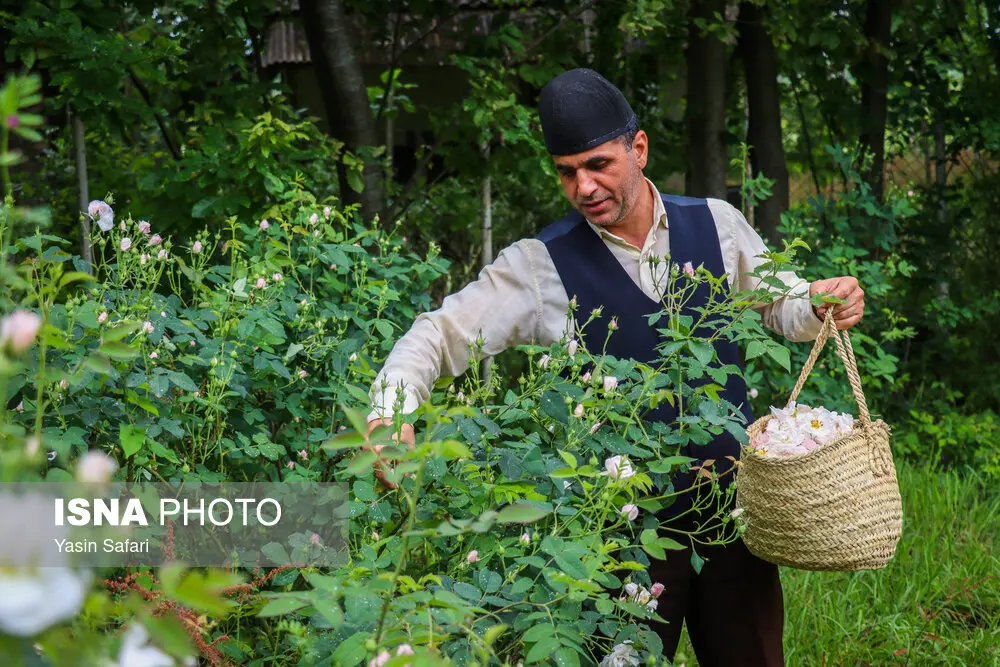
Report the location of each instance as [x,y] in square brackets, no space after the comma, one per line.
[705,114]
[767,152]
[345,96]
[875,89]
[83,190]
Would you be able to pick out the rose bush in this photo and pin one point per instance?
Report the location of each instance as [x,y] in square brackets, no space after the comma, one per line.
[525,515]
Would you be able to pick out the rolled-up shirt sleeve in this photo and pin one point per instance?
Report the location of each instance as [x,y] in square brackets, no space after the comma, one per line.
[504,305]
[791,316]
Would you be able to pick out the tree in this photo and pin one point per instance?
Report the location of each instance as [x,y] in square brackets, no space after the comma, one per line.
[705,113]
[767,151]
[875,89]
[345,96]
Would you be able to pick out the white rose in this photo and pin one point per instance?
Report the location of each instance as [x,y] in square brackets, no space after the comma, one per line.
[619,467]
[95,467]
[38,589]
[622,655]
[137,652]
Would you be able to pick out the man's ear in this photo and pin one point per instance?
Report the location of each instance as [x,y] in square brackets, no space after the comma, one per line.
[641,147]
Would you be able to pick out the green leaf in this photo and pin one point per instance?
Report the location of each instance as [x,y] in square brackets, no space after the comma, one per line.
[273,327]
[755,349]
[670,544]
[566,656]
[181,380]
[346,440]
[554,406]
[201,207]
[667,464]
[352,650]
[281,606]
[385,328]
[131,438]
[468,591]
[361,462]
[655,550]
[98,363]
[780,354]
[355,180]
[202,592]
[702,351]
[142,402]
[121,331]
[73,276]
[364,491]
[541,651]
[357,418]
[118,350]
[696,561]
[168,633]
[538,633]
[520,513]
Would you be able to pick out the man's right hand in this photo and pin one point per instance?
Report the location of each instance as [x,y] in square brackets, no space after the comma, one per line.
[408,436]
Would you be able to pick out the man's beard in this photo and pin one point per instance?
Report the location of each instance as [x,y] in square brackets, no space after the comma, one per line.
[629,197]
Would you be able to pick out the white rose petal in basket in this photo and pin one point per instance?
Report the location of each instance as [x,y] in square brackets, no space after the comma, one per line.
[833,506]
[799,429]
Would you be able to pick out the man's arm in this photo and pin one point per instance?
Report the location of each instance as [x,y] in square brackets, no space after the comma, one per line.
[505,305]
[508,305]
[791,316]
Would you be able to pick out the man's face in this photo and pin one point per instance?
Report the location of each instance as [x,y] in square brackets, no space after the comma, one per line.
[604,183]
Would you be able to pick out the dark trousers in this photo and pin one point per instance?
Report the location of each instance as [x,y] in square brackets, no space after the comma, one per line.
[734,608]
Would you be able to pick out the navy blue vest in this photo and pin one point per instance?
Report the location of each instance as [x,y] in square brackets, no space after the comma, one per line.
[591,273]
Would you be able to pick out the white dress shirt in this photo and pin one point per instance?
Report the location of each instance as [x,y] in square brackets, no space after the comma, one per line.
[520,299]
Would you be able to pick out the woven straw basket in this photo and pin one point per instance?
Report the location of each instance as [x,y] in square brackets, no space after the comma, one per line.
[834,508]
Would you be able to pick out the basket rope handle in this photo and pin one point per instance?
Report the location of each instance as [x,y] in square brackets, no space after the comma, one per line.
[846,353]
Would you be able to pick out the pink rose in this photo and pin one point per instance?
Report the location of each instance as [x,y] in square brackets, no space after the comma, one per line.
[631,511]
[125,244]
[196,248]
[473,556]
[656,590]
[19,329]
[144,227]
[688,268]
[264,224]
[104,215]
[261,283]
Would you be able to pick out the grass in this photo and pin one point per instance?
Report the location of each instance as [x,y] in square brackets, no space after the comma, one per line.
[936,603]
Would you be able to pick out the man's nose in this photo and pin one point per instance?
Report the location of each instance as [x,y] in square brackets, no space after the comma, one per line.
[586,186]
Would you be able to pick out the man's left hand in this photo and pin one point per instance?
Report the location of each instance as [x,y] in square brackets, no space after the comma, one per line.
[845,288]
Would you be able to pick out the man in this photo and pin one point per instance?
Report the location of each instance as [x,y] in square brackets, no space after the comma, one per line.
[600,256]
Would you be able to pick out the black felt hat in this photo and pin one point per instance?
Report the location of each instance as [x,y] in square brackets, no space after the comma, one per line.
[580,109]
